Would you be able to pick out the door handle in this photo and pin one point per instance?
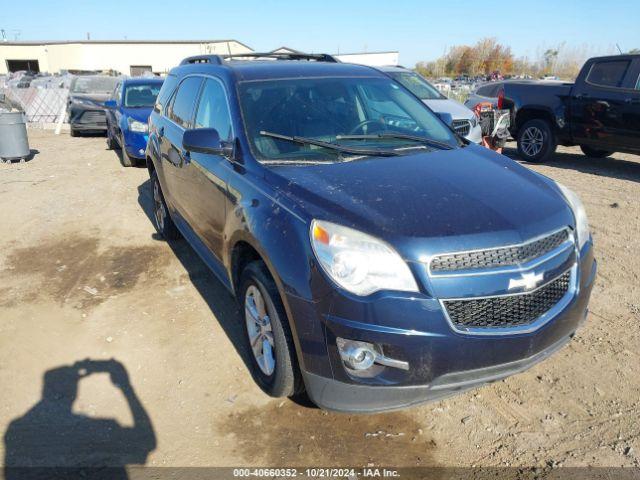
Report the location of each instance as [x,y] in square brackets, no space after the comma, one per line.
[632,100]
[160,132]
[581,96]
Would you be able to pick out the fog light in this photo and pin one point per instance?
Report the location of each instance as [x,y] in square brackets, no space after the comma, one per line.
[141,152]
[361,356]
[356,355]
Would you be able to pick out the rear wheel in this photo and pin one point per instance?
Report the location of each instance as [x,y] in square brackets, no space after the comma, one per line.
[594,152]
[163,222]
[269,338]
[536,141]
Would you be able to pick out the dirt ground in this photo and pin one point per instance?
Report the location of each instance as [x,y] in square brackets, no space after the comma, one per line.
[83,278]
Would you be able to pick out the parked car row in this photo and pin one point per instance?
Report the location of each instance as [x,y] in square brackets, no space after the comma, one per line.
[380,259]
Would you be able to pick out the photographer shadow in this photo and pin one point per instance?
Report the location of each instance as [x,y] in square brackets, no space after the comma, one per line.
[50,441]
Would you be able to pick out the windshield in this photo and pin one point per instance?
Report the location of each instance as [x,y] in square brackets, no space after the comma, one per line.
[365,113]
[416,85]
[141,95]
[93,84]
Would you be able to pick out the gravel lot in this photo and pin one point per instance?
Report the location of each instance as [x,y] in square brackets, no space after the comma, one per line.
[83,276]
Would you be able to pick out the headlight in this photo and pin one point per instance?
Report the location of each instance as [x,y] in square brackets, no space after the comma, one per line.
[359,262]
[81,101]
[582,223]
[136,126]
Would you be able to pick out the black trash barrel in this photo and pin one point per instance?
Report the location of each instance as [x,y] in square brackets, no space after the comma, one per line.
[14,143]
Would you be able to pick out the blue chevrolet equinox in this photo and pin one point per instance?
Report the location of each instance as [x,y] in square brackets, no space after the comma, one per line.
[379,259]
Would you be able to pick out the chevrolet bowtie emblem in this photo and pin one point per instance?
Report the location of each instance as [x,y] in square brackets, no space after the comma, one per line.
[528,281]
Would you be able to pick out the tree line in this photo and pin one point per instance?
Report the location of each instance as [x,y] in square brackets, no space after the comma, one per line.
[488,57]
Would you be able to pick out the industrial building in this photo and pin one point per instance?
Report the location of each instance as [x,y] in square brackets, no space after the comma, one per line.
[133,57]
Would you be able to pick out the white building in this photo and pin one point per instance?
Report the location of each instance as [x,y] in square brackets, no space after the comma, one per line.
[374,59]
[129,57]
[133,57]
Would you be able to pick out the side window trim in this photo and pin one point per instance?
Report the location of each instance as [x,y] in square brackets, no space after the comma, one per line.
[226,99]
[172,100]
[608,87]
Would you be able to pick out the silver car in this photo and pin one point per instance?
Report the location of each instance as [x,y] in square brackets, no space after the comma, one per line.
[464,121]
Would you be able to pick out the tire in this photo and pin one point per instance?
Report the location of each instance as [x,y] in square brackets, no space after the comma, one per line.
[125,159]
[284,380]
[595,153]
[73,132]
[162,219]
[112,144]
[536,141]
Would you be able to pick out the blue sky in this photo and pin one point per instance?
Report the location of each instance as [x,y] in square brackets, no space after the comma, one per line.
[419,29]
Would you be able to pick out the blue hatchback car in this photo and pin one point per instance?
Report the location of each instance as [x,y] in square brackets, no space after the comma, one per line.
[127,115]
[380,260]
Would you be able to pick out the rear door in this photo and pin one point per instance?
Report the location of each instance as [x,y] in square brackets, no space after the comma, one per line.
[598,106]
[207,174]
[175,159]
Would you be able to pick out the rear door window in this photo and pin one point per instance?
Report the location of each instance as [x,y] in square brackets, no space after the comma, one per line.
[164,96]
[213,110]
[608,74]
[181,111]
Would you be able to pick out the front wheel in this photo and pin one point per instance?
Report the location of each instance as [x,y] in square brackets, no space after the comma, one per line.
[594,152]
[536,141]
[111,141]
[125,159]
[269,338]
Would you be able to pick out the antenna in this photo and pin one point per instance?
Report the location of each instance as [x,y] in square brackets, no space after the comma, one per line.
[619,49]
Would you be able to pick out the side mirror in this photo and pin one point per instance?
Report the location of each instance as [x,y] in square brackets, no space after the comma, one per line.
[110,104]
[203,140]
[446,118]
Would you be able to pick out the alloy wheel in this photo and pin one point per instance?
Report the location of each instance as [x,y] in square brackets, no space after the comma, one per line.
[160,212]
[532,141]
[259,330]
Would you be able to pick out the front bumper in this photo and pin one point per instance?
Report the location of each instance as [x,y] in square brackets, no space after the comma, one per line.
[475,134]
[94,120]
[135,143]
[442,361]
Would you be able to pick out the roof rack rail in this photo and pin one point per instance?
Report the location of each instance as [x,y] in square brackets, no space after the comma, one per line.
[318,57]
[214,59]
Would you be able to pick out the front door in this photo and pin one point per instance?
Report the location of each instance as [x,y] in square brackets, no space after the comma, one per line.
[208,174]
[598,105]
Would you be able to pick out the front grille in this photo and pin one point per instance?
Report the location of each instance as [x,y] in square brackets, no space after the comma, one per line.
[499,257]
[462,127]
[93,117]
[507,311]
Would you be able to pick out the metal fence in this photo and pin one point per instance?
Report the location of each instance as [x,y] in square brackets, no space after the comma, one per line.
[42,106]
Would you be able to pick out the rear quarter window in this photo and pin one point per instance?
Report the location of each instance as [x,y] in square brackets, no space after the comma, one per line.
[608,74]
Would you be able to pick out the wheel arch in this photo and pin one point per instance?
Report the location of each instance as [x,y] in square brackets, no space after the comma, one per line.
[533,113]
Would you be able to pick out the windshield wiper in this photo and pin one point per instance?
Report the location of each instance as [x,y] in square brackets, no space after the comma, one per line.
[401,136]
[331,146]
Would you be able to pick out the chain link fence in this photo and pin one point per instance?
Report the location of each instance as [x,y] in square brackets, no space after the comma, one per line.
[43,107]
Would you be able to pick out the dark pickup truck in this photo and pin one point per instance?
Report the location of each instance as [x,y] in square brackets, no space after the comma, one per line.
[600,112]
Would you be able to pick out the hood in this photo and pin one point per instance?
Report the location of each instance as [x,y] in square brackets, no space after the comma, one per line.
[140,114]
[446,105]
[457,198]
[96,99]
